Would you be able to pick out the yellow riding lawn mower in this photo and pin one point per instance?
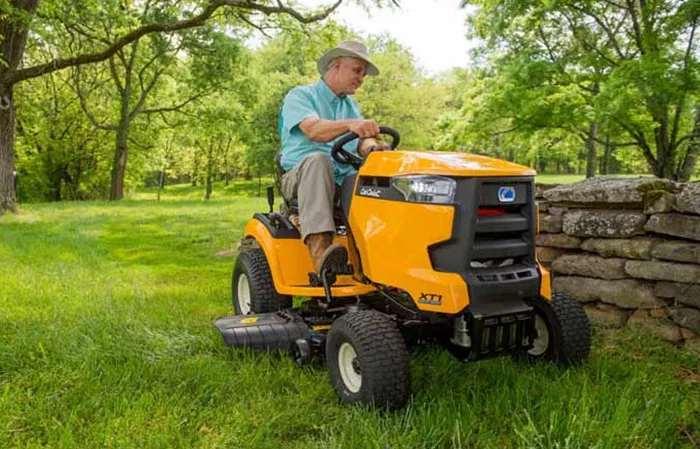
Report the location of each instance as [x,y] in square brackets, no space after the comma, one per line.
[441,249]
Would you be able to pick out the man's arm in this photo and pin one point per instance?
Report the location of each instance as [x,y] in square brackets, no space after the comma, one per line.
[319,130]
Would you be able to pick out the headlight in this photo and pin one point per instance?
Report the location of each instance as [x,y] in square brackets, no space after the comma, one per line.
[426,188]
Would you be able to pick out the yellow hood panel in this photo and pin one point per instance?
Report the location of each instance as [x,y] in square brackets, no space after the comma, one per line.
[392,163]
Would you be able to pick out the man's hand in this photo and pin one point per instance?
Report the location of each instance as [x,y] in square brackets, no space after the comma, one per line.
[364,128]
[369,145]
[380,146]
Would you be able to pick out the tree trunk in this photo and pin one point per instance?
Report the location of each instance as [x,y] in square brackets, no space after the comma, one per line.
[195,165]
[210,175]
[119,163]
[7,150]
[209,168]
[207,193]
[664,150]
[591,153]
[161,182]
[685,171]
[13,39]
[607,152]
[55,181]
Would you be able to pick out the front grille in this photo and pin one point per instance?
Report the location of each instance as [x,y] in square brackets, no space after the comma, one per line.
[504,277]
[493,251]
[503,236]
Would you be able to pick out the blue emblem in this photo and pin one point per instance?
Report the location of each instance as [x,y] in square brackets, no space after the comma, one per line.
[506,194]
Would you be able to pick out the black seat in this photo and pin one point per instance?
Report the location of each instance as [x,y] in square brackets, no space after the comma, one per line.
[292,204]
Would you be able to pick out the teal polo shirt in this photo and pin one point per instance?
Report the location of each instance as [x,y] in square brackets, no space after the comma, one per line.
[313,101]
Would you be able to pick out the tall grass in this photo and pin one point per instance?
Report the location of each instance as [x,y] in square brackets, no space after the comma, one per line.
[106,341]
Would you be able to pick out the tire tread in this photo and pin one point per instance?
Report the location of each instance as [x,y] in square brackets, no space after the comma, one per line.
[574,328]
[264,296]
[383,359]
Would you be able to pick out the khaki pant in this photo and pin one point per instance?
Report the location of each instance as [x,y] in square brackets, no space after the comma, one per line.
[312,182]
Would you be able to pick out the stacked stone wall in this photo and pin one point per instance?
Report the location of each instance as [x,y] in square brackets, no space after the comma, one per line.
[628,250]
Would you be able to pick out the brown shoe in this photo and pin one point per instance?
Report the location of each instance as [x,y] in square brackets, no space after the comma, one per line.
[335,259]
[317,244]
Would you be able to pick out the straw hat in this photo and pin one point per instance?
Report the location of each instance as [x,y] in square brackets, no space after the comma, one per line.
[352,49]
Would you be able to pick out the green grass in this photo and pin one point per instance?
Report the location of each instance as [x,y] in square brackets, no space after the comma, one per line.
[106,340]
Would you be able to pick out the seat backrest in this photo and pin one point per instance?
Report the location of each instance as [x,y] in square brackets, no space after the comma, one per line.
[278,165]
[290,204]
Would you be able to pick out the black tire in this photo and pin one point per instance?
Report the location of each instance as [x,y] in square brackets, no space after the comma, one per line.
[252,268]
[566,335]
[380,360]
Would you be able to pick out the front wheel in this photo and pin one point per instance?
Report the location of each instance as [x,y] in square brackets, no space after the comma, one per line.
[563,332]
[368,360]
[252,287]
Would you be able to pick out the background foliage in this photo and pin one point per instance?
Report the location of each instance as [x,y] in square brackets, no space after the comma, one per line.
[566,87]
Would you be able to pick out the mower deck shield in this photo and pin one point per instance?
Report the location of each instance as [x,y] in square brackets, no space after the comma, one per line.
[276,331]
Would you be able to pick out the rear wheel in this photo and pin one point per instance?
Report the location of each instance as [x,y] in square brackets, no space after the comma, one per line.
[368,360]
[252,287]
[562,328]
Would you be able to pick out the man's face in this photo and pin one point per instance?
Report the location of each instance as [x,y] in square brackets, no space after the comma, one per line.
[351,74]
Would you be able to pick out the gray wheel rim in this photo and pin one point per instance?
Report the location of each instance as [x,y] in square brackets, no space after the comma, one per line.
[347,362]
[541,342]
[243,294]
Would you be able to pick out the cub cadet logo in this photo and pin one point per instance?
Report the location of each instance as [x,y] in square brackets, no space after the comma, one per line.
[368,191]
[506,194]
[430,298]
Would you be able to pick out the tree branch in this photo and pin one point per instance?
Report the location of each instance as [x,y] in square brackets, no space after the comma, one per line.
[254,25]
[588,135]
[176,107]
[642,142]
[79,29]
[548,47]
[84,107]
[12,77]
[132,56]
[683,139]
[681,103]
[587,44]
[506,131]
[611,36]
[631,7]
[144,92]
[143,147]
[154,59]
[115,75]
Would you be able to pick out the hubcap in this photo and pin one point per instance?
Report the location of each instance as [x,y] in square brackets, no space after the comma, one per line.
[541,343]
[243,294]
[349,367]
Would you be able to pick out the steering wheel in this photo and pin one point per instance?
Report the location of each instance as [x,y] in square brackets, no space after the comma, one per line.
[343,156]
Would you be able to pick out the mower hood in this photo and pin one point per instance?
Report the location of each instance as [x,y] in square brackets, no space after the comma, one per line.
[395,163]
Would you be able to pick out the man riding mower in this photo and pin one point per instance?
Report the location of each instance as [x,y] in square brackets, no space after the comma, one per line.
[441,248]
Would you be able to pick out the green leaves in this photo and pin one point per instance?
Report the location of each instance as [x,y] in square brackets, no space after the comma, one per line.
[561,64]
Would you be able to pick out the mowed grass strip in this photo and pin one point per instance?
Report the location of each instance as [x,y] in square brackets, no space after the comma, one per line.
[106,340]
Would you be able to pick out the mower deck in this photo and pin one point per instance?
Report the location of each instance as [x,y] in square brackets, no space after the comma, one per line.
[275,331]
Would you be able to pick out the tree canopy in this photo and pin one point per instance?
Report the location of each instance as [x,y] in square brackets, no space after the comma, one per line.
[97,98]
[612,74]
